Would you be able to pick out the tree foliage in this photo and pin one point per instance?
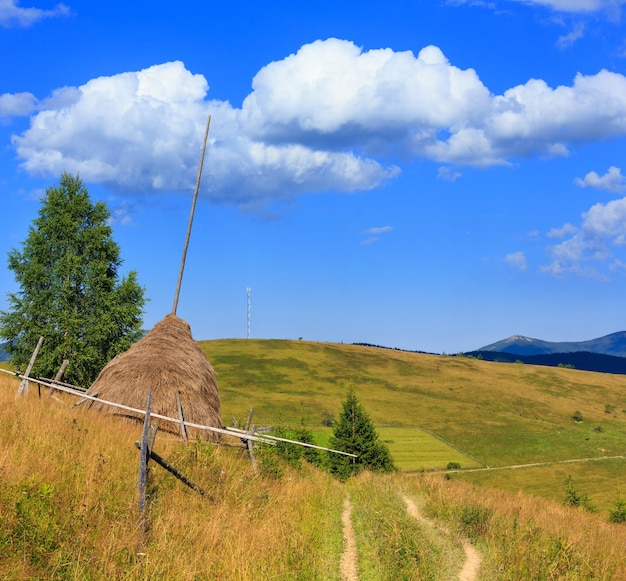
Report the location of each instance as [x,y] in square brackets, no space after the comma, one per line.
[70,289]
[355,433]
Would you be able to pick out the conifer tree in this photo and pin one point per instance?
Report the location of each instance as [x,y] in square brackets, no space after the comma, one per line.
[70,289]
[355,433]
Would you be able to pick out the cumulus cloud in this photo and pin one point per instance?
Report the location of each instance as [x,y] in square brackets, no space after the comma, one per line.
[13,15]
[16,104]
[516,260]
[603,229]
[612,180]
[329,117]
[141,131]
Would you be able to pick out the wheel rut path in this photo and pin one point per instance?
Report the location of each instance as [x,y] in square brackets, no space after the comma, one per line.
[471,566]
[349,560]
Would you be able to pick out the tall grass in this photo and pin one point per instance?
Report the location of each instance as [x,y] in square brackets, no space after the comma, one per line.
[68,505]
[524,537]
[392,544]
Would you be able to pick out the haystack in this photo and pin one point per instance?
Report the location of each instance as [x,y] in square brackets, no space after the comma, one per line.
[169,362]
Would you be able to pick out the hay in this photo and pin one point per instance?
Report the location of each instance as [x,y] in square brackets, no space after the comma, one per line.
[167,361]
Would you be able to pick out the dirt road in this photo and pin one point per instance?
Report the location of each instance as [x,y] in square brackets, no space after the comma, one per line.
[470,569]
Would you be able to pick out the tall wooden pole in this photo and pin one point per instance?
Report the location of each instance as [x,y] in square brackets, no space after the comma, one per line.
[193,209]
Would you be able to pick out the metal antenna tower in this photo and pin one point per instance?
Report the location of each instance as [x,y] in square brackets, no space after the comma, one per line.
[248,291]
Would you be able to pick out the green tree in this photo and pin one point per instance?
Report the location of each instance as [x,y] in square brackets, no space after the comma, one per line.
[354,432]
[70,289]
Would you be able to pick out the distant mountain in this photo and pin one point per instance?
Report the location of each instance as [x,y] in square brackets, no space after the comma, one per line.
[4,356]
[613,344]
[582,360]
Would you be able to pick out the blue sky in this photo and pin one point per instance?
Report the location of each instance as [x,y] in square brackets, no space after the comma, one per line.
[429,175]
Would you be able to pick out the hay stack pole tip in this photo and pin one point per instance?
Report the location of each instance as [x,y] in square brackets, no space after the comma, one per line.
[193,209]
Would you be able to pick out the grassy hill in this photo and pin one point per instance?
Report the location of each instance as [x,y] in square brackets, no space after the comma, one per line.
[433,409]
[68,476]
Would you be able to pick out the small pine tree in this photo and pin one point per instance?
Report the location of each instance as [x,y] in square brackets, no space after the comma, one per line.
[70,290]
[354,432]
[573,497]
[618,514]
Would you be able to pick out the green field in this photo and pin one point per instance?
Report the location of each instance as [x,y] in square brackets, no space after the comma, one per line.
[412,449]
[432,409]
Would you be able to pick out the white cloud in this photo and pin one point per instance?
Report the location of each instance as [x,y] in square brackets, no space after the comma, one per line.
[565,230]
[141,131]
[327,118]
[603,228]
[13,15]
[571,37]
[447,174]
[582,6]
[516,260]
[612,180]
[16,104]
[374,234]
[571,6]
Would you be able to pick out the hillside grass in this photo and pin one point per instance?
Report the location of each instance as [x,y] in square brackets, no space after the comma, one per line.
[482,413]
[69,504]
[68,482]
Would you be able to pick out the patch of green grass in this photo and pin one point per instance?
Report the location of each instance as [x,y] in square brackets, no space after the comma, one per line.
[602,480]
[413,449]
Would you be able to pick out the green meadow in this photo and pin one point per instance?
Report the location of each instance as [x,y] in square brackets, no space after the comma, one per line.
[433,409]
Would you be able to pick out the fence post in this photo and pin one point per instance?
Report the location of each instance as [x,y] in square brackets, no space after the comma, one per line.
[23,388]
[143,465]
[59,374]
[250,429]
[183,430]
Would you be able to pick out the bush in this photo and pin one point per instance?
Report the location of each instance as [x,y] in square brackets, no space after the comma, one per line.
[293,453]
[474,521]
[575,498]
[577,417]
[453,466]
[618,514]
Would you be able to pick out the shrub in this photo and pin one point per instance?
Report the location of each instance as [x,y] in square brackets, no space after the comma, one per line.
[474,521]
[575,498]
[618,514]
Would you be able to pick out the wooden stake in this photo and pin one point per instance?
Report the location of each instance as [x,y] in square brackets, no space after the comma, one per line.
[143,465]
[193,208]
[23,388]
[183,431]
[165,464]
[250,429]
[59,375]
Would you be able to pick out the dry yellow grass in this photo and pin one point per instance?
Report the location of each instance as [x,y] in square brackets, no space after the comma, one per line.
[68,500]
[525,537]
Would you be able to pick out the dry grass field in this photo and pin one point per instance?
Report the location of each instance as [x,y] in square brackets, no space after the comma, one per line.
[68,476]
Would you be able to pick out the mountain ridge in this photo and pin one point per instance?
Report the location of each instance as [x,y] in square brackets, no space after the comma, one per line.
[613,344]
